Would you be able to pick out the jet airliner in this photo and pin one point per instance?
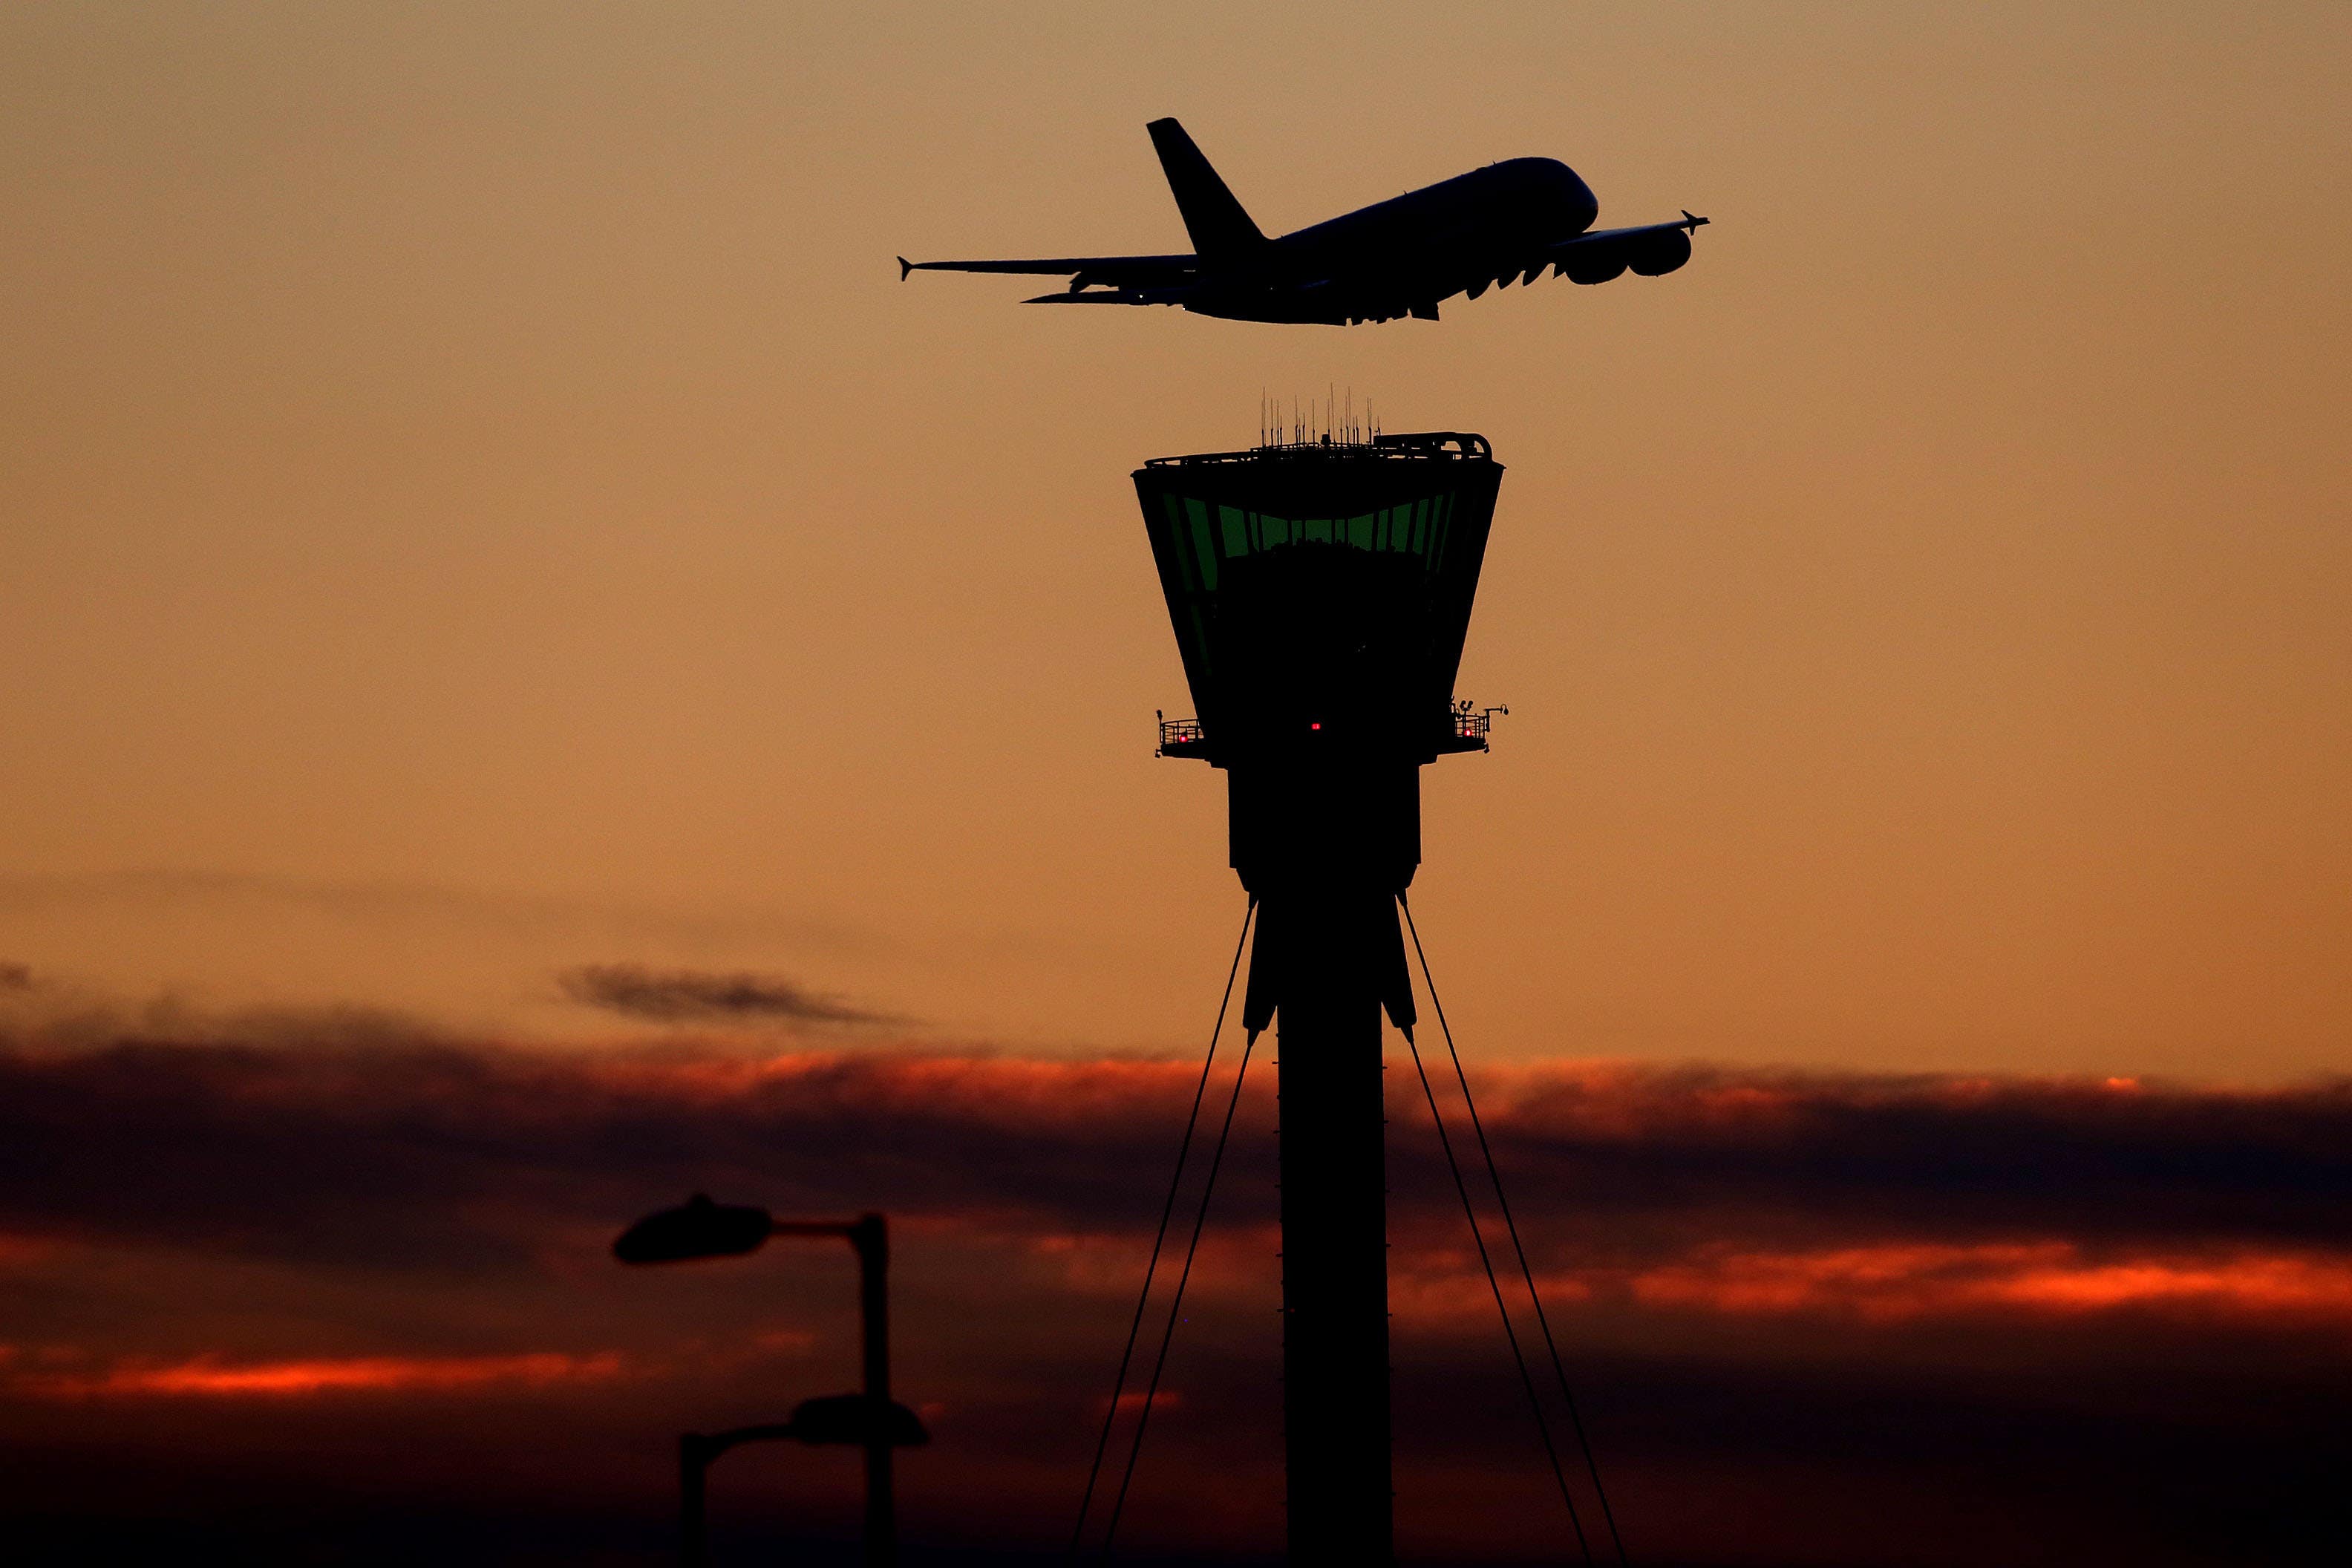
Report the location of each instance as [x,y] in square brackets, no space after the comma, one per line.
[1507,222]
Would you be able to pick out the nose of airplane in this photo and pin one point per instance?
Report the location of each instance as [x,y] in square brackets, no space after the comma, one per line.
[1582,204]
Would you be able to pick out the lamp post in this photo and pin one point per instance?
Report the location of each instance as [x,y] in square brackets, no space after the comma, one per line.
[838,1418]
[701,1228]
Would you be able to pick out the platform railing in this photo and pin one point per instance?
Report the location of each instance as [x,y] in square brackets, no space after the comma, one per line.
[1186,737]
[1472,723]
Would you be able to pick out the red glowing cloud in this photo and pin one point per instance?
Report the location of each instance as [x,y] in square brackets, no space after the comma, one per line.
[1900,1281]
[209,1376]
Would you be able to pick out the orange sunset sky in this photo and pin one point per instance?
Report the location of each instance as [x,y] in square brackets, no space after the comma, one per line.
[479,501]
[492,557]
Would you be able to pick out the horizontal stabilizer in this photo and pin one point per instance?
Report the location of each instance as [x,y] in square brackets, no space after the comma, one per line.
[1108,296]
[1116,270]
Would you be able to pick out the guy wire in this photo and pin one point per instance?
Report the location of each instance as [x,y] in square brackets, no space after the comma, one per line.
[1183,1152]
[1526,1380]
[1493,1175]
[1176,1303]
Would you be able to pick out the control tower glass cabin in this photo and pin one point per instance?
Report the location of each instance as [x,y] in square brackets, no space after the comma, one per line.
[1320,596]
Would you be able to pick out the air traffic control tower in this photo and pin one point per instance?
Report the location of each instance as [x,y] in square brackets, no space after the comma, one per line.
[1320,594]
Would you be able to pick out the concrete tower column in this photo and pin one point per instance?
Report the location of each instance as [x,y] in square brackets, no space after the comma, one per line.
[1335,1317]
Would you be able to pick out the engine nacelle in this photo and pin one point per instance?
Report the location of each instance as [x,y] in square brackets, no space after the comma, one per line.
[1661,253]
[1598,268]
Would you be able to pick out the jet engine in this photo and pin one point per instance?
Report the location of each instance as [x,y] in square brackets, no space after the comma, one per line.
[1660,253]
[1598,268]
[1650,252]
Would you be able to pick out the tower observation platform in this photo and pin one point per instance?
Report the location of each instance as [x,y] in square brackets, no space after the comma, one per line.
[1320,594]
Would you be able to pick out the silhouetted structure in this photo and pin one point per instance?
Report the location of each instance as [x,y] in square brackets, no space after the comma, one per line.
[836,1419]
[1507,222]
[701,1228]
[1320,594]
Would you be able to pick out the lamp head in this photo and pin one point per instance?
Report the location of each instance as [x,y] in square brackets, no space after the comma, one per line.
[857,1420]
[698,1228]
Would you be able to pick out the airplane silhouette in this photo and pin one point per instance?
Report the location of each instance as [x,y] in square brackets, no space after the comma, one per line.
[1506,222]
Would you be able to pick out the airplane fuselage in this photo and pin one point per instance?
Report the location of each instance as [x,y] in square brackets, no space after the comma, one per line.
[1382,261]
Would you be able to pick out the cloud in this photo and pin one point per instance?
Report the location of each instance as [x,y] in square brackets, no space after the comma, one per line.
[211,1377]
[688,996]
[1967,1157]
[1755,1184]
[1895,1282]
[415,904]
[1835,1306]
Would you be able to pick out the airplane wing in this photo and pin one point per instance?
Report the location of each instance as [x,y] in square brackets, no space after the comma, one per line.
[1600,254]
[1118,271]
[1114,297]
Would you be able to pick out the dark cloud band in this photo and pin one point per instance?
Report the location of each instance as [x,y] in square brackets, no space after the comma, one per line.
[689,995]
[256,1146]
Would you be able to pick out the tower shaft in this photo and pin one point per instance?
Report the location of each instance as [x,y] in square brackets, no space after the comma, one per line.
[1335,1346]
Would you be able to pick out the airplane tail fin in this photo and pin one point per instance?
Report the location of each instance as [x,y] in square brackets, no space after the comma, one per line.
[1212,216]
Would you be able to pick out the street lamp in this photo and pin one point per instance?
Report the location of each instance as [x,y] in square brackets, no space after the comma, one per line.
[836,1419]
[701,1228]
